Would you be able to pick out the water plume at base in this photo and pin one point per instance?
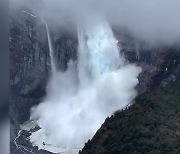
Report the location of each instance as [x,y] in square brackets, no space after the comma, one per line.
[79,100]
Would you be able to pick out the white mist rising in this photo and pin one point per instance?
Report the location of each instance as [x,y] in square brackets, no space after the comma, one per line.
[80,99]
[153,21]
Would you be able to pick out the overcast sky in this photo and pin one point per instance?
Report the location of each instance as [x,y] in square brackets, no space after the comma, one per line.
[152,20]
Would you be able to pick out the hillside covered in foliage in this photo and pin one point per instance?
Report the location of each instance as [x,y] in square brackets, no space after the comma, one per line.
[151,125]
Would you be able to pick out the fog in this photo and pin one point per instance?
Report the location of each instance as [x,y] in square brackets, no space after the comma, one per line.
[153,21]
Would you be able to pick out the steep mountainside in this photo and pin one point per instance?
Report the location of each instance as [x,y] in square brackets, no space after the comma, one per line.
[151,124]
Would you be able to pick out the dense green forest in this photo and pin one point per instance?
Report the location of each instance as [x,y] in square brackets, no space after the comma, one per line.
[151,125]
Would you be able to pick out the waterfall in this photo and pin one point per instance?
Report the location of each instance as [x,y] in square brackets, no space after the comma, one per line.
[81,98]
[51,52]
[137,51]
[98,52]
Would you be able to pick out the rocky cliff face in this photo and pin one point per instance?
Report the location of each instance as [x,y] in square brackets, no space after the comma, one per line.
[29,61]
[30,67]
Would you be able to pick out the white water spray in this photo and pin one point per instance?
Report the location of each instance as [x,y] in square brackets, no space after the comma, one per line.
[98,52]
[79,100]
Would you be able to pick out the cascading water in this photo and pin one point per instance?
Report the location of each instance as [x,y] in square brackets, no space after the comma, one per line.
[98,51]
[51,53]
[79,100]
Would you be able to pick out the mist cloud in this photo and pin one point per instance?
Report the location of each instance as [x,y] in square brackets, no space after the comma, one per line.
[155,20]
[91,89]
